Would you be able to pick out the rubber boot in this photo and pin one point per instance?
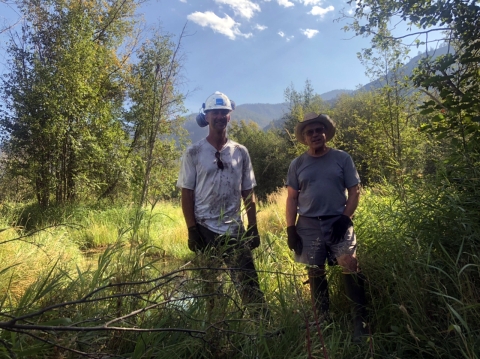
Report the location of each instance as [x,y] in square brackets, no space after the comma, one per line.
[319,292]
[355,290]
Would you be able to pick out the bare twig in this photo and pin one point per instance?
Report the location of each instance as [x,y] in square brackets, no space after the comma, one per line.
[17,327]
[437,101]
[411,34]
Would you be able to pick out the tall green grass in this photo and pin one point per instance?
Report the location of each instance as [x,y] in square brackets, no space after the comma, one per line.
[416,249]
[423,276]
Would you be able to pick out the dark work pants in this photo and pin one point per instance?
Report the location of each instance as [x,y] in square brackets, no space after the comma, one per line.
[239,260]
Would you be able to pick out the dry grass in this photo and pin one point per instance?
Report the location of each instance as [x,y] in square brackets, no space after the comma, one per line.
[167,230]
[271,215]
[25,259]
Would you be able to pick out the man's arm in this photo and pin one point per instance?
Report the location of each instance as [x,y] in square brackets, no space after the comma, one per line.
[195,240]
[352,200]
[292,203]
[293,239]
[250,206]
[188,207]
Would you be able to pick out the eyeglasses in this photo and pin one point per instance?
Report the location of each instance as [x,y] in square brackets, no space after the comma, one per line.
[310,132]
[221,112]
[219,161]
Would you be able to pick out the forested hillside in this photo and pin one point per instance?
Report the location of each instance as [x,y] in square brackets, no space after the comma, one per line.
[261,114]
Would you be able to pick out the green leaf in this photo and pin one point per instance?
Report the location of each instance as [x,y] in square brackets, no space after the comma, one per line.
[441,135]
[427,111]
[455,327]
[395,329]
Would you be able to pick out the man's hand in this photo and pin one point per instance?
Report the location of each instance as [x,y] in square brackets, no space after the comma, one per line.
[294,241]
[195,240]
[252,237]
[331,260]
[340,228]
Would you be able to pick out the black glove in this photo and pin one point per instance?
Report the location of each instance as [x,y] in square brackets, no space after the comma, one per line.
[252,237]
[331,260]
[294,241]
[340,228]
[195,240]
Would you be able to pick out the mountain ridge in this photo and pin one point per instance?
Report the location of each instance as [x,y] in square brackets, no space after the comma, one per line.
[263,114]
[266,115]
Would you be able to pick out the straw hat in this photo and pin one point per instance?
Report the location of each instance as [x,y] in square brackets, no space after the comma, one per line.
[313,117]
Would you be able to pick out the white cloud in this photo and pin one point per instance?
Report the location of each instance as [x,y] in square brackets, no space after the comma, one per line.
[260,27]
[282,34]
[309,32]
[245,8]
[320,11]
[353,8]
[285,3]
[225,26]
[310,2]
[183,1]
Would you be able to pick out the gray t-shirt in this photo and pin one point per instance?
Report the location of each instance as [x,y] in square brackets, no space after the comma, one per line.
[322,182]
[217,193]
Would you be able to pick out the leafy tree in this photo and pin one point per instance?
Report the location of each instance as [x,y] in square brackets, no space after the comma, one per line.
[451,108]
[359,134]
[300,103]
[154,114]
[395,117]
[363,130]
[64,93]
[451,81]
[267,151]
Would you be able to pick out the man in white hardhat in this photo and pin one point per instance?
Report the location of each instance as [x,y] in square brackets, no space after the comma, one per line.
[323,190]
[216,174]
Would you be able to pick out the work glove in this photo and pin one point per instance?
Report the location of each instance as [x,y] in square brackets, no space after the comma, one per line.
[195,240]
[252,237]
[340,228]
[294,241]
[331,260]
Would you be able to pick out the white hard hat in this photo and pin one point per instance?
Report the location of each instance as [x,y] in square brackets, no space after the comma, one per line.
[218,101]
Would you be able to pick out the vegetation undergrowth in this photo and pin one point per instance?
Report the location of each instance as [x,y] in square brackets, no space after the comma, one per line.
[144,295]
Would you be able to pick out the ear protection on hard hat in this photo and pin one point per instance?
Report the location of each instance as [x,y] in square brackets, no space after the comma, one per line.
[216,101]
[201,120]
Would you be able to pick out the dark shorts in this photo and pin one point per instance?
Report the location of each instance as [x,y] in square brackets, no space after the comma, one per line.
[316,239]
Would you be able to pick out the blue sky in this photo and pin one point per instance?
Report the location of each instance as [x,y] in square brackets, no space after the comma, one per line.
[252,50]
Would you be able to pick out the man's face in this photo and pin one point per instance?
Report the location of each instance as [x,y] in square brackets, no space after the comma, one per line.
[314,135]
[217,119]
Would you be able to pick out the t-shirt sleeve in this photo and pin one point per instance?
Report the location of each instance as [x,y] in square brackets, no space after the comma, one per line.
[248,177]
[350,172]
[292,179]
[188,175]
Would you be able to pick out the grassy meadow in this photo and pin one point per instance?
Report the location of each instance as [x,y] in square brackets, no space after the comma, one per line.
[116,282]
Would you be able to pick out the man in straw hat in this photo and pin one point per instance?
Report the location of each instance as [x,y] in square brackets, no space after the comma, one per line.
[323,189]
